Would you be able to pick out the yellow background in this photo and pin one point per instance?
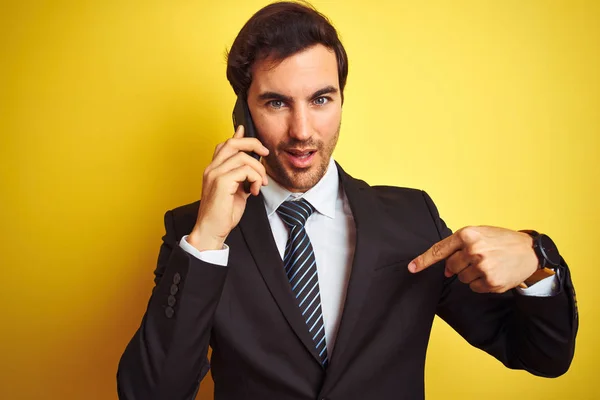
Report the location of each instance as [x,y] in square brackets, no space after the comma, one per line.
[110,110]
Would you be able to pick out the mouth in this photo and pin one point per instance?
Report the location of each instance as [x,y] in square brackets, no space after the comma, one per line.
[300,158]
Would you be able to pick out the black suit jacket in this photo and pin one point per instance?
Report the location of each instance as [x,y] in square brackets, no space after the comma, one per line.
[261,346]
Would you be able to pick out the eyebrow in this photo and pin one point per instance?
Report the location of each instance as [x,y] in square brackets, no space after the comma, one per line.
[278,96]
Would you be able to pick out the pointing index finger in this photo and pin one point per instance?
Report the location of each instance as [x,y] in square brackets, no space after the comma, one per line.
[438,252]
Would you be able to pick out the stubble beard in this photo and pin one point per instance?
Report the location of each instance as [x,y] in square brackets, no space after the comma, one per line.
[300,179]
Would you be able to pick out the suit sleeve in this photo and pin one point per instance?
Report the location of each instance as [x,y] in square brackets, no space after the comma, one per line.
[166,358]
[523,332]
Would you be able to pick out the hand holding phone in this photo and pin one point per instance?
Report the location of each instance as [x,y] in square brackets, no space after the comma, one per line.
[223,203]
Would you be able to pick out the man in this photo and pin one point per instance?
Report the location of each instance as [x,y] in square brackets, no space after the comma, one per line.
[316,285]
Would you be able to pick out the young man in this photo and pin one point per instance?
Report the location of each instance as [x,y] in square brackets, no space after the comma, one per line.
[316,285]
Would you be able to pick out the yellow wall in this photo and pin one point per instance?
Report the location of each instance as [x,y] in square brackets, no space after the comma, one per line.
[109,112]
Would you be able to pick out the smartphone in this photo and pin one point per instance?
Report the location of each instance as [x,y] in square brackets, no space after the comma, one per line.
[241,116]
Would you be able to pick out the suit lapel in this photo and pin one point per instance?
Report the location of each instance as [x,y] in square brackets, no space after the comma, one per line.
[257,233]
[366,218]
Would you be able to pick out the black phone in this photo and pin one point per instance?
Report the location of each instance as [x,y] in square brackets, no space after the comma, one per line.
[241,116]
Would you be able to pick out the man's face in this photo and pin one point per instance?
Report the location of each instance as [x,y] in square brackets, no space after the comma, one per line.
[297,109]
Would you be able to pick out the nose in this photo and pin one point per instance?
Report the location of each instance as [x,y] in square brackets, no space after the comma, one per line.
[299,126]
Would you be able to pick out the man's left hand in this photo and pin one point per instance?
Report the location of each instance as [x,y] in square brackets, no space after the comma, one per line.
[487,258]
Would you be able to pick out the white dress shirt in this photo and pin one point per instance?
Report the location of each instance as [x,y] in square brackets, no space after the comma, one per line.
[332,233]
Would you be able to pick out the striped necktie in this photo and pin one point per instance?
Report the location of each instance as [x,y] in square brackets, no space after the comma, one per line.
[301,269]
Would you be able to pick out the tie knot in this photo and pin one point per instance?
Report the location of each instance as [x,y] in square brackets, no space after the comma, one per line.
[295,213]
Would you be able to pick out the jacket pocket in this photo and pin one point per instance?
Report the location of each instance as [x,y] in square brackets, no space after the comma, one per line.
[401,265]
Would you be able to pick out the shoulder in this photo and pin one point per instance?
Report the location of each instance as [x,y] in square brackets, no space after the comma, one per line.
[395,197]
[403,200]
[407,204]
[186,211]
[182,219]
[411,207]
[393,194]
[400,206]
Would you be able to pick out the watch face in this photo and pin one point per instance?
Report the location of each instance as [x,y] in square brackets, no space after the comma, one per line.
[549,250]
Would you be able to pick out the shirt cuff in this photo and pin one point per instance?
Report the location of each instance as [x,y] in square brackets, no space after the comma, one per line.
[217,257]
[545,288]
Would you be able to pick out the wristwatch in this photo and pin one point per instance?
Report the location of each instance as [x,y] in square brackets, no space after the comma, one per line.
[545,250]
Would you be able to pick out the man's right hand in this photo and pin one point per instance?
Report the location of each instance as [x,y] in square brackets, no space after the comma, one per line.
[223,196]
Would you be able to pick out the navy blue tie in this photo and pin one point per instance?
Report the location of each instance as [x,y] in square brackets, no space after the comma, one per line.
[301,269]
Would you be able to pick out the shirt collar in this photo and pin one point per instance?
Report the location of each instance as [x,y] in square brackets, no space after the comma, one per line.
[322,196]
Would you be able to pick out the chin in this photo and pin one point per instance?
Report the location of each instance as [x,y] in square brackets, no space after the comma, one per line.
[303,179]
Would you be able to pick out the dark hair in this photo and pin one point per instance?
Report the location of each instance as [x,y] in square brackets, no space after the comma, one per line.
[280,30]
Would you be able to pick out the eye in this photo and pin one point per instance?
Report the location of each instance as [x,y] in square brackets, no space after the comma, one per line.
[320,101]
[275,104]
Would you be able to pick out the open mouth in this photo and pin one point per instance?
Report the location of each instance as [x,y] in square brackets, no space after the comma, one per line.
[301,154]
[300,158]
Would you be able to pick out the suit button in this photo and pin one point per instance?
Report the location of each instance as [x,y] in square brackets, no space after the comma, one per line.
[169,312]
[171,301]
[174,289]
[176,278]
